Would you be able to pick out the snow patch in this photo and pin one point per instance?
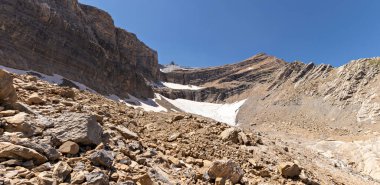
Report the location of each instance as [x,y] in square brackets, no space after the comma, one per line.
[225,113]
[180,86]
[147,105]
[53,79]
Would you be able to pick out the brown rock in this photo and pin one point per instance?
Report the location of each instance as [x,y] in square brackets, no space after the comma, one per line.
[61,171]
[127,134]
[226,170]
[8,113]
[34,99]
[230,134]
[46,178]
[67,93]
[86,47]
[69,147]
[11,151]
[7,92]
[143,179]
[289,170]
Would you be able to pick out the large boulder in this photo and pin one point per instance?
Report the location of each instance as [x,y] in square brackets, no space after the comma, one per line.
[19,123]
[12,151]
[77,127]
[227,170]
[8,94]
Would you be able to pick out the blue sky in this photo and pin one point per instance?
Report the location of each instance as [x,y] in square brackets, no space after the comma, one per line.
[203,33]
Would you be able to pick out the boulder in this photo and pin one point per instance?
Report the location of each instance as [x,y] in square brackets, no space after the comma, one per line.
[230,134]
[243,138]
[97,178]
[12,151]
[289,170]
[18,123]
[143,179]
[61,171]
[102,158]
[77,127]
[69,147]
[228,170]
[8,94]
[34,99]
[127,134]
[46,178]
[67,93]
[78,177]
[41,146]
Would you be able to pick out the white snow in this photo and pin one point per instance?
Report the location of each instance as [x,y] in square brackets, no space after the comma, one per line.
[225,113]
[147,105]
[54,79]
[180,86]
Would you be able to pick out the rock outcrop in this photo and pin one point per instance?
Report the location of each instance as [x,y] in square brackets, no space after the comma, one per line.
[78,42]
[7,92]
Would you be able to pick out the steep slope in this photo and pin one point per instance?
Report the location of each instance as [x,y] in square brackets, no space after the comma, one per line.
[62,135]
[78,42]
[224,82]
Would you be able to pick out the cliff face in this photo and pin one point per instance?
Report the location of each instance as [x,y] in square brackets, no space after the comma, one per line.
[77,41]
[223,82]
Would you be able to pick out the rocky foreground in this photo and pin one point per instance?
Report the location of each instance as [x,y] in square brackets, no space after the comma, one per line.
[56,135]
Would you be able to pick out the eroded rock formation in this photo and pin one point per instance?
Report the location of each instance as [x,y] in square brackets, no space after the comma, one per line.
[76,41]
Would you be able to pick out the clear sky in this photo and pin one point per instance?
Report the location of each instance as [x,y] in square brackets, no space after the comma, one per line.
[203,33]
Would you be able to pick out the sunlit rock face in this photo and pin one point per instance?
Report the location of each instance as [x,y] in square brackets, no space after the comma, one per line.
[76,41]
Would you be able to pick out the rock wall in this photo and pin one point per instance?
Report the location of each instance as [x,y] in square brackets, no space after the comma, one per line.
[77,41]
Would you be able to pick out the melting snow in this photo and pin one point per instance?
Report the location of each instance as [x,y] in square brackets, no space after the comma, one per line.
[180,86]
[220,112]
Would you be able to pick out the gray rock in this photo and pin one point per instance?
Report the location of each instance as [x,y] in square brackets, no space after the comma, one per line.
[77,127]
[50,152]
[102,158]
[127,134]
[97,178]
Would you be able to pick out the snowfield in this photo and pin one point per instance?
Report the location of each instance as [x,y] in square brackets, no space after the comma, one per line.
[225,113]
[180,86]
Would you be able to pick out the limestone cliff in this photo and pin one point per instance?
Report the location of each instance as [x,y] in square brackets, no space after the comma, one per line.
[77,41]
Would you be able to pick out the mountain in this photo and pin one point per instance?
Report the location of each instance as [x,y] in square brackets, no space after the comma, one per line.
[85,102]
[78,42]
